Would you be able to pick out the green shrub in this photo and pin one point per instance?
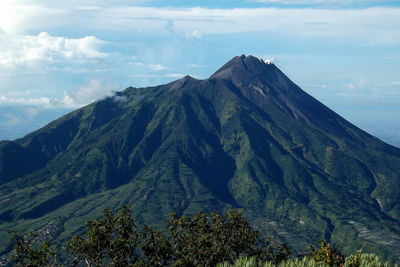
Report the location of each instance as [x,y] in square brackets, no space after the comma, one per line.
[360,259]
[242,262]
[327,254]
[253,262]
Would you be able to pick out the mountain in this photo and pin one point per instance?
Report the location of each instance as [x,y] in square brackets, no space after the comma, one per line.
[245,138]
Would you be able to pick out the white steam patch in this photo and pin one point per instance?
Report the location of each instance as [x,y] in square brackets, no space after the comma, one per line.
[90,91]
[269,60]
[120,98]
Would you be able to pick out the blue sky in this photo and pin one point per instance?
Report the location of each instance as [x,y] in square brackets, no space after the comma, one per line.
[59,55]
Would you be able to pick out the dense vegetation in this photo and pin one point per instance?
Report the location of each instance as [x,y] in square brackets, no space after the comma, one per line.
[114,240]
[201,240]
[246,138]
[357,260]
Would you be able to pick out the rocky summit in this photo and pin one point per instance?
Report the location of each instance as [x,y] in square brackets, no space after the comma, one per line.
[246,138]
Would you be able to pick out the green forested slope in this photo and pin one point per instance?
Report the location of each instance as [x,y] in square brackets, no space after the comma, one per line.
[246,138]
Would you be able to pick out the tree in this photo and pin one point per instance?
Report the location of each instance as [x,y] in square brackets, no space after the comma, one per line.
[327,254]
[30,253]
[156,248]
[206,240]
[198,240]
[110,240]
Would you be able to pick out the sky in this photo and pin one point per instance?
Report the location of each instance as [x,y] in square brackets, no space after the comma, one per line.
[56,56]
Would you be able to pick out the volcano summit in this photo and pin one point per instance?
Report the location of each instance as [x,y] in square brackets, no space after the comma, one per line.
[246,138]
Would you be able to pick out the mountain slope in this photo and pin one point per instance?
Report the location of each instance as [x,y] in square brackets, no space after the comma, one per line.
[245,138]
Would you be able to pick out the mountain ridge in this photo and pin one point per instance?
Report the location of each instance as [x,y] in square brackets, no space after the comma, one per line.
[247,138]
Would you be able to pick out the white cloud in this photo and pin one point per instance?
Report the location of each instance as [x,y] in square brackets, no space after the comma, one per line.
[395,83]
[34,101]
[311,85]
[364,90]
[78,3]
[350,95]
[136,64]
[157,67]
[319,2]
[19,16]
[91,90]
[375,25]
[31,112]
[29,49]
[175,75]
[194,34]
[194,65]
[356,85]
[13,16]
[167,75]
[22,45]
[389,90]
[350,86]
[13,117]
[368,25]
[120,98]
[10,119]
[154,67]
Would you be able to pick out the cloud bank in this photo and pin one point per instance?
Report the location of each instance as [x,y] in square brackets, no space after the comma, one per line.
[16,49]
[322,2]
[88,92]
[374,25]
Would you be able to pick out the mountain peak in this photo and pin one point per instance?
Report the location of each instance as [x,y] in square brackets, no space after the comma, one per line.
[249,59]
[185,81]
[247,138]
[244,65]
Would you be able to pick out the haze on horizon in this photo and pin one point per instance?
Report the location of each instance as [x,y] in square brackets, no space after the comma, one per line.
[57,56]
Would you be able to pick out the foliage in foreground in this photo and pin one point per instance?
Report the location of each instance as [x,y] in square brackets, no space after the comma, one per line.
[253,262]
[199,240]
[327,254]
[29,253]
[356,260]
